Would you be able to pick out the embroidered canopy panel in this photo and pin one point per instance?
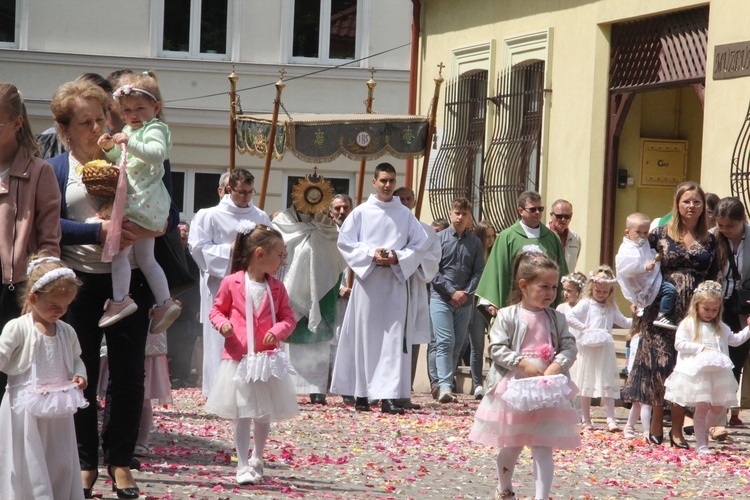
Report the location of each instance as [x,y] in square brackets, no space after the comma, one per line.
[321,138]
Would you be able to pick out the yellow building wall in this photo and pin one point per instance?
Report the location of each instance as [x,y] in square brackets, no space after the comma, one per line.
[574,148]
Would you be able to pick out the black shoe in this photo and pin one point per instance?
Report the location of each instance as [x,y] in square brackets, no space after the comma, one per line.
[655,439]
[132,492]
[88,492]
[409,405]
[318,399]
[677,444]
[688,430]
[348,400]
[362,404]
[390,406]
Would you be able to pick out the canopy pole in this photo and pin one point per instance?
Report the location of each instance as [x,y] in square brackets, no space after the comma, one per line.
[232,116]
[430,136]
[368,109]
[271,144]
[362,163]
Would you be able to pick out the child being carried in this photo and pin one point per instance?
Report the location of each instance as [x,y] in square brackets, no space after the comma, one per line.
[639,271]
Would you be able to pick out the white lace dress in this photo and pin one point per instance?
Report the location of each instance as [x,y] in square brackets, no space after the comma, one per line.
[595,369]
[39,456]
[704,375]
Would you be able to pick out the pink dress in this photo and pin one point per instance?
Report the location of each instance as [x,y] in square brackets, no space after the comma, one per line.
[497,424]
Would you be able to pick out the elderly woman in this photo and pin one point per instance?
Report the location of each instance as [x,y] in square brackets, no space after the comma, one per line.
[29,203]
[689,257]
[732,234]
[80,111]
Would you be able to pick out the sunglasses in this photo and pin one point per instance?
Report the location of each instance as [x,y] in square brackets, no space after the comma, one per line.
[563,216]
[533,210]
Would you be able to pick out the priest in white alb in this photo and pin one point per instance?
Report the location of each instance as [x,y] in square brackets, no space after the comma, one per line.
[211,241]
[384,244]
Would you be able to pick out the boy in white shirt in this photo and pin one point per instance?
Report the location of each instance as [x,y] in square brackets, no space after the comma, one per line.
[638,271]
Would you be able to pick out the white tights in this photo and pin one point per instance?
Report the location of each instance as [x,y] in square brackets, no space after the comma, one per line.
[705,416]
[544,469]
[645,413]
[609,408]
[242,438]
[144,257]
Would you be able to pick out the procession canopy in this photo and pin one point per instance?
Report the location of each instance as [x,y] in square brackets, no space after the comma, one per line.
[320,138]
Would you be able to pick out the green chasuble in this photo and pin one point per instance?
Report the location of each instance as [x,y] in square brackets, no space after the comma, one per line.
[495,284]
[303,335]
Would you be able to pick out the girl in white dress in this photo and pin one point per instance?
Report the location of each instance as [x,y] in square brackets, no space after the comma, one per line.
[595,372]
[252,313]
[41,355]
[702,376]
[572,285]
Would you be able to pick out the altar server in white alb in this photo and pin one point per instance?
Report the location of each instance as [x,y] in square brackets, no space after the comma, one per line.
[384,244]
[210,242]
[418,325]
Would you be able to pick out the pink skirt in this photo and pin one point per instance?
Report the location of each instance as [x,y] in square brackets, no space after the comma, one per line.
[497,424]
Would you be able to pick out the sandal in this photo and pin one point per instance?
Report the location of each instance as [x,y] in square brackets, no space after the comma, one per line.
[718,433]
[505,494]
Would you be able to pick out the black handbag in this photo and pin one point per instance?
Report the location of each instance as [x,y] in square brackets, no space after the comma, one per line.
[738,302]
[170,255]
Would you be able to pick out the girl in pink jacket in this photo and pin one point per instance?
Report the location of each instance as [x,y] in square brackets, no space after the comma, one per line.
[252,313]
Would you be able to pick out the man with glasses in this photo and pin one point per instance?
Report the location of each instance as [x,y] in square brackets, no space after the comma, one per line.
[560,216]
[494,286]
[210,241]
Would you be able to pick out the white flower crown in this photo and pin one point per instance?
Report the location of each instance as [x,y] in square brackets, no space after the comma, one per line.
[597,279]
[573,280]
[245,227]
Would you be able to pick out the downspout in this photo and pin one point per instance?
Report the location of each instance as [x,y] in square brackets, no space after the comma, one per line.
[413,75]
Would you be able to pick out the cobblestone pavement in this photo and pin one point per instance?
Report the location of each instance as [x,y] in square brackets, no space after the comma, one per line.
[334,452]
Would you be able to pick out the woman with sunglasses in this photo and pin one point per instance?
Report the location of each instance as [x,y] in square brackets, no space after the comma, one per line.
[494,286]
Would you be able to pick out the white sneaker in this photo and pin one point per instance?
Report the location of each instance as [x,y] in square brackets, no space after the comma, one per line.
[628,432]
[256,469]
[612,426]
[704,450]
[664,322]
[478,393]
[245,475]
[447,397]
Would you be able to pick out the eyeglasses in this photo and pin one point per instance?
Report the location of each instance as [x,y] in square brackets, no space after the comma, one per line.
[242,193]
[692,203]
[563,216]
[533,210]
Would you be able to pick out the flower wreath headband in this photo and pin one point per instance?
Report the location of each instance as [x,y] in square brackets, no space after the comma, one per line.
[597,279]
[573,280]
[709,286]
[127,90]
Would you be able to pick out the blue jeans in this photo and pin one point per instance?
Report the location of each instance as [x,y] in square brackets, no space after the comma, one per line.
[477,329]
[668,292]
[449,326]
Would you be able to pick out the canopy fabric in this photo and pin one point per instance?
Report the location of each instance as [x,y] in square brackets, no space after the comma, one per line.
[321,138]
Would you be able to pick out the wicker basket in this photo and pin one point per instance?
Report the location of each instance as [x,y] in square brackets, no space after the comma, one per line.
[100,178]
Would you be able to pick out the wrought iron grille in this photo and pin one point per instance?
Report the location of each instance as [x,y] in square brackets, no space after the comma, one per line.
[739,178]
[455,171]
[512,161]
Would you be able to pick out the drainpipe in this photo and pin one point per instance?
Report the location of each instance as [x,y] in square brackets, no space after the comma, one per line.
[413,74]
